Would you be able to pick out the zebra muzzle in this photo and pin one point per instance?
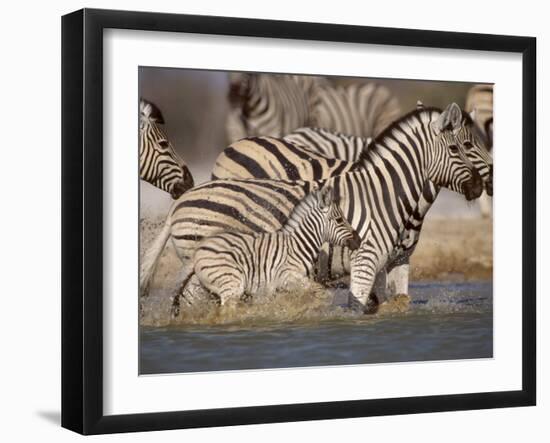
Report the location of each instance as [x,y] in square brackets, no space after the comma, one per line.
[183,185]
[473,188]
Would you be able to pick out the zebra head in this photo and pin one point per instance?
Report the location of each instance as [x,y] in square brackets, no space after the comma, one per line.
[239,88]
[460,162]
[337,229]
[158,162]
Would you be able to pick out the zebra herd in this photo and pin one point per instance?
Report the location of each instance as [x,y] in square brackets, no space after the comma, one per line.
[284,196]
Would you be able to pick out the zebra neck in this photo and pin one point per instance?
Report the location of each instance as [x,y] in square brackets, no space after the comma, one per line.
[305,235]
[392,174]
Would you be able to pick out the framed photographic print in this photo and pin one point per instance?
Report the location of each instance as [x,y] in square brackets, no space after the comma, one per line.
[270,221]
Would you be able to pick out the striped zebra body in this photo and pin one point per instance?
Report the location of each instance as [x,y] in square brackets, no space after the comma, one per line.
[335,261]
[363,109]
[158,162]
[234,264]
[275,105]
[269,105]
[276,158]
[377,199]
[480,101]
[329,144]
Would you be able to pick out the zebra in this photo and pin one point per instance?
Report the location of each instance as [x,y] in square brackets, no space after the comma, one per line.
[480,101]
[274,105]
[328,143]
[231,265]
[282,159]
[426,146]
[363,109]
[269,104]
[158,162]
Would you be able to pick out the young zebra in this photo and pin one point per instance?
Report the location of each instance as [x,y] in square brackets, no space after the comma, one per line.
[480,101]
[233,264]
[275,105]
[158,162]
[425,147]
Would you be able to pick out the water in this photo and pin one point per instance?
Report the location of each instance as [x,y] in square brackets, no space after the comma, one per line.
[444,321]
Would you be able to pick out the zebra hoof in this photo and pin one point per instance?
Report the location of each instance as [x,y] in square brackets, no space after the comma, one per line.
[175,310]
[372,305]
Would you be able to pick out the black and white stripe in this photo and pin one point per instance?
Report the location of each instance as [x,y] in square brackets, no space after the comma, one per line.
[425,147]
[328,143]
[158,162]
[479,102]
[275,105]
[363,109]
[269,104]
[280,158]
[232,265]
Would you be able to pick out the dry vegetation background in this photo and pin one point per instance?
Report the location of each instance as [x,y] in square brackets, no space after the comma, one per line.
[454,249]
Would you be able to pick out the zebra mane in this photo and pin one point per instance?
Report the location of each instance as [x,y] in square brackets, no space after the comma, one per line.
[301,211]
[371,147]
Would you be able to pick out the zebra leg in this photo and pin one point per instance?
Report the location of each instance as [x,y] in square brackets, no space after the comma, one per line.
[365,267]
[189,290]
[228,290]
[398,278]
[380,287]
[333,264]
[322,270]
[188,293]
[231,294]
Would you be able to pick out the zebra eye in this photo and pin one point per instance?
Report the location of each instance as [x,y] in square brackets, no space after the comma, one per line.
[468,144]
[163,144]
[453,148]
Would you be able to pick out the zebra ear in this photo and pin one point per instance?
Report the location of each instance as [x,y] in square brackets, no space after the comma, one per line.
[473,115]
[326,197]
[455,115]
[149,110]
[450,119]
[419,105]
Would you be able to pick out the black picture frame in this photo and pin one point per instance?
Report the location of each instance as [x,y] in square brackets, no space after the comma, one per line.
[82,221]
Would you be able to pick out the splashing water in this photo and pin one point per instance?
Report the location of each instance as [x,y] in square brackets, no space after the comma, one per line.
[304,306]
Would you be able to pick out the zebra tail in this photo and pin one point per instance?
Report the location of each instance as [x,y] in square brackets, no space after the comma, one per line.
[151,257]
